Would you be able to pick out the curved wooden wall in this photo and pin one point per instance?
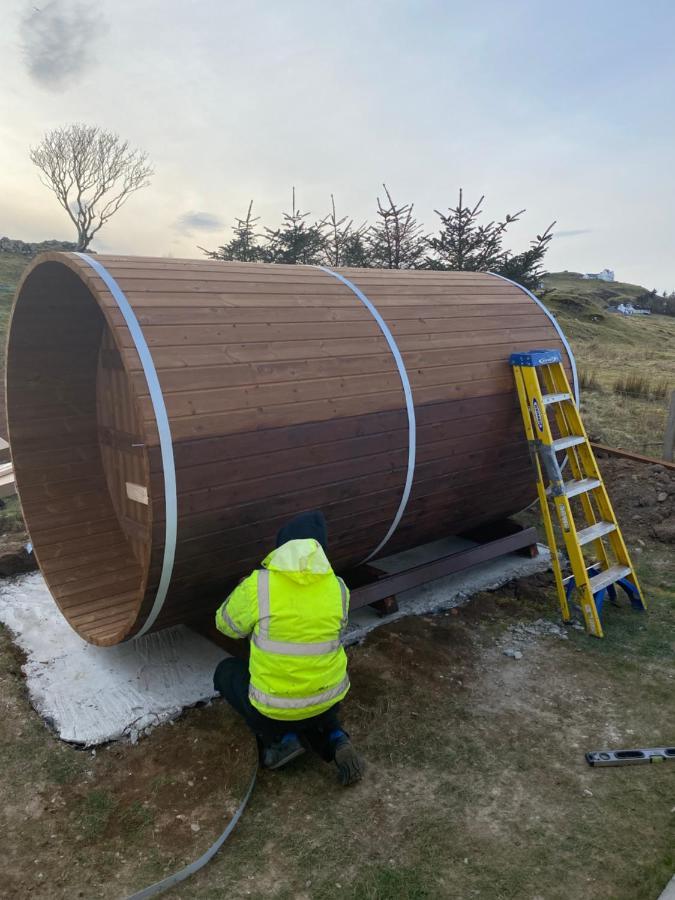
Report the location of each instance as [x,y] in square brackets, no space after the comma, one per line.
[282,395]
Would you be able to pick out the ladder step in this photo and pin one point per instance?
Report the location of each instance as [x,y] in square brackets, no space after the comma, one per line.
[609,576]
[564,442]
[555,398]
[593,532]
[572,488]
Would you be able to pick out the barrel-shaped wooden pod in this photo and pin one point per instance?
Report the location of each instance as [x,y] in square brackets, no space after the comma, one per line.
[166,417]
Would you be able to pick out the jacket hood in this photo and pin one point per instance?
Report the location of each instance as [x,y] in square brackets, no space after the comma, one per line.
[303,561]
[306,525]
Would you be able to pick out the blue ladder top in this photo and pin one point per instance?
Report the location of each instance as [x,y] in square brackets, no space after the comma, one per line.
[535,358]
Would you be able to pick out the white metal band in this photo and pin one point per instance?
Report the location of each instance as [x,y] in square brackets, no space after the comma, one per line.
[554,322]
[277,702]
[407,392]
[163,428]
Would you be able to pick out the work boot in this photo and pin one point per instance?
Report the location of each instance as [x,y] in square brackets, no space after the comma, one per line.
[281,752]
[349,764]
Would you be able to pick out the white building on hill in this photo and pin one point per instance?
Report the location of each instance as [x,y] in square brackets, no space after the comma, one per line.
[605,275]
[627,309]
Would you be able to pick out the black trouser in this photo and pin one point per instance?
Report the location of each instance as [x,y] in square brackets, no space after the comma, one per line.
[231,680]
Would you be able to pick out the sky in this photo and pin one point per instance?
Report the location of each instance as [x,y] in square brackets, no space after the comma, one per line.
[565,109]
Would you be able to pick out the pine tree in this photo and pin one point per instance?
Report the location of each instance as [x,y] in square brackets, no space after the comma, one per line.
[526,268]
[296,242]
[344,244]
[244,246]
[463,244]
[396,241]
[355,251]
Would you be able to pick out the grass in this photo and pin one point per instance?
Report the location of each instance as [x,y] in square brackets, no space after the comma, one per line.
[11,267]
[626,364]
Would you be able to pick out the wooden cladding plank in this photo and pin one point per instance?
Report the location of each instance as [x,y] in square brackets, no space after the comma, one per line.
[188,314]
[219,354]
[447,438]
[232,373]
[194,299]
[301,276]
[220,509]
[258,397]
[123,441]
[228,489]
[229,333]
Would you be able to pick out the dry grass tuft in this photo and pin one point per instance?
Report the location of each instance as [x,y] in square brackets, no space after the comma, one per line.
[588,380]
[636,385]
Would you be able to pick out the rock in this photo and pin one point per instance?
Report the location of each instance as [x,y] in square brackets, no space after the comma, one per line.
[661,496]
[15,559]
[512,653]
[194,827]
[665,531]
[24,248]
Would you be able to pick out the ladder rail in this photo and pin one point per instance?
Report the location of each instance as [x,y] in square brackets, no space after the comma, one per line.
[543,501]
[542,385]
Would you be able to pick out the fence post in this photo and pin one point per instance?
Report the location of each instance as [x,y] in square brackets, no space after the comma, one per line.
[669,439]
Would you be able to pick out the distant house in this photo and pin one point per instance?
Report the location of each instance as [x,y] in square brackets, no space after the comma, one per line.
[627,309]
[605,275]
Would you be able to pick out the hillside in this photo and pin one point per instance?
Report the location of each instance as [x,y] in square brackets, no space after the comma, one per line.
[627,364]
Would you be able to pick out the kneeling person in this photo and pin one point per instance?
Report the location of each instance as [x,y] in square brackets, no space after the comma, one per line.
[294,610]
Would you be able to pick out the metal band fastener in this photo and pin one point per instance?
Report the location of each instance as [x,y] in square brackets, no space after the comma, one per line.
[410,406]
[163,428]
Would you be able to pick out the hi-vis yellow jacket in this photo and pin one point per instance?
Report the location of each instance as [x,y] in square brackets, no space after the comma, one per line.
[294,610]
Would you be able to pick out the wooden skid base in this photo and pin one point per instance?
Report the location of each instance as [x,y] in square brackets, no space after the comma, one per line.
[389,585]
[369,586]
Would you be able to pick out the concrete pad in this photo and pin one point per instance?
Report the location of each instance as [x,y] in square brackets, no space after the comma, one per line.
[90,695]
[669,893]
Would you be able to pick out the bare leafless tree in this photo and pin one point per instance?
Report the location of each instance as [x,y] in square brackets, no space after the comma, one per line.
[92,172]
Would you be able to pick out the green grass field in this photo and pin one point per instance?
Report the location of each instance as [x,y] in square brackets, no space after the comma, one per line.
[608,349]
[11,267]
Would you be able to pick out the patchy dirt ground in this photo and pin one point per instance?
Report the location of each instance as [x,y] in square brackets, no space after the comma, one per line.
[477,784]
[643,497]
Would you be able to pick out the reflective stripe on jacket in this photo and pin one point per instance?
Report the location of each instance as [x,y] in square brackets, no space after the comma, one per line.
[294,610]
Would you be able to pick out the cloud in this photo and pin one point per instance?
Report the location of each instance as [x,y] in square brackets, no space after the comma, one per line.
[198,221]
[573,232]
[58,39]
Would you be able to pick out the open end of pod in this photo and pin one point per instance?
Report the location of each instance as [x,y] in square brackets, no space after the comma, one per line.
[79,451]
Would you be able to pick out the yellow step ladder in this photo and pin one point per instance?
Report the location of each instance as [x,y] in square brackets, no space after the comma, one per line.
[542,386]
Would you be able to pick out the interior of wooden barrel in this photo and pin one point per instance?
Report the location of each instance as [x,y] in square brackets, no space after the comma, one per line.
[83,486]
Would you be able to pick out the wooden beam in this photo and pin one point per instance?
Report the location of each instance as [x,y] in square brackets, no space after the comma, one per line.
[7,483]
[635,457]
[669,437]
